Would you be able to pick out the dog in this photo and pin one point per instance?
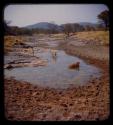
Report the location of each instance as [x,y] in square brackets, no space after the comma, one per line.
[74,65]
[53,55]
[53,52]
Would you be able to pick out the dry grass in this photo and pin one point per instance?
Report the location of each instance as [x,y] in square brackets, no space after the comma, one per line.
[98,36]
[101,37]
[9,41]
[59,36]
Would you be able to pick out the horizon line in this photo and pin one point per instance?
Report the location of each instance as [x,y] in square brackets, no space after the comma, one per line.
[53,23]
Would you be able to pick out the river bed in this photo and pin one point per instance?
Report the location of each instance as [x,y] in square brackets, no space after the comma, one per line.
[56,74]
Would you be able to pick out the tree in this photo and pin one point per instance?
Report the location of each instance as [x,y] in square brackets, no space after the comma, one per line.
[89,28]
[67,29]
[104,17]
[76,27]
[7,28]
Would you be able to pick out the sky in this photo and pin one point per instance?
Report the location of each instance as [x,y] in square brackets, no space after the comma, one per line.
[23,15]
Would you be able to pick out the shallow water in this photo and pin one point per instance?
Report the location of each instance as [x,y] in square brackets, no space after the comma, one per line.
[56,74]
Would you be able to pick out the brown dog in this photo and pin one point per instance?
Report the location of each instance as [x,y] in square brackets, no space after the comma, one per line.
[74,65]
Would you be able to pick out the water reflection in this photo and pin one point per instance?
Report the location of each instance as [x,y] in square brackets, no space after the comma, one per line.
[56,74]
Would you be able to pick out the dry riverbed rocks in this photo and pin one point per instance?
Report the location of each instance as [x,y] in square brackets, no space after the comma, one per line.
[33,63]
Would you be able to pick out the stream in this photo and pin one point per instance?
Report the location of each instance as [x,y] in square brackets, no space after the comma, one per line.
[56,74]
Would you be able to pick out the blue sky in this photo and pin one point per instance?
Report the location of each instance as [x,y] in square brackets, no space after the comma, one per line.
[22,15]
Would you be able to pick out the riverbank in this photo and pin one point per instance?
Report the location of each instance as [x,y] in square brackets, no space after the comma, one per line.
[24,101]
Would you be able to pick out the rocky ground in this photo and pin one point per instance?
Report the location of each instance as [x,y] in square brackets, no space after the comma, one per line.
[24,101]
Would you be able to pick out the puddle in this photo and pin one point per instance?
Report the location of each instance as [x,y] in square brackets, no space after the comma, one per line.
[56,74]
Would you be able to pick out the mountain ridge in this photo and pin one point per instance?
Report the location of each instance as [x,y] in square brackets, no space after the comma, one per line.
[46,25]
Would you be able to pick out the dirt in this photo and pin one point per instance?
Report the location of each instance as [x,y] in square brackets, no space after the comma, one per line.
[24,101]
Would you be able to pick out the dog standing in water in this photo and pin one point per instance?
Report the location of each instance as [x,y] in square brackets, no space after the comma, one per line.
[54,54]
[74,65]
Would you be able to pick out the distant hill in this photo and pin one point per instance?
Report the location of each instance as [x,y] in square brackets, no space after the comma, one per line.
[46,25]
[43,25]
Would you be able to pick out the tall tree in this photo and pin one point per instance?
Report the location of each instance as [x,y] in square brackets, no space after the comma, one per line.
[104,17]
[67,29]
